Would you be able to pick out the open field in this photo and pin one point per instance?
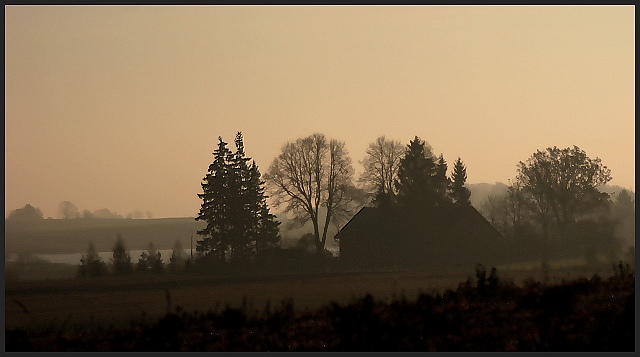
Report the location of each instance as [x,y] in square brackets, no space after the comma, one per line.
[74,235]
[577,314]
[117,300]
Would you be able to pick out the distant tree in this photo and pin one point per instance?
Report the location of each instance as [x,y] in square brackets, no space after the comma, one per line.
[509,212]
[91,264]
[177,260]
[143,263]
[381,168]
[623,213]
[150,261]
[306,243]
[86,214]
[26,213]
[459,192]
[121,259]
[561,188]
[494,209]
[309,173]
[625,202]
[519,222]
[68,210]
[105,213]
[421,180]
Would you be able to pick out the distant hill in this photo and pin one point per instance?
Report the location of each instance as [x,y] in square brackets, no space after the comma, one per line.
[74,235]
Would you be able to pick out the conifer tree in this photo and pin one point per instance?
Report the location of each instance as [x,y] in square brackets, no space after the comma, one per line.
[177,261]
[442,182]
[91,264]
[459,192]
[121,259]
[150,261]
[234,207]
[267,233]
[420,178]
[243,210]
[215,205]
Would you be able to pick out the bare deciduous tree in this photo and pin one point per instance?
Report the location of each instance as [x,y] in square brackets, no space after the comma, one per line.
[310,173]
[381,165]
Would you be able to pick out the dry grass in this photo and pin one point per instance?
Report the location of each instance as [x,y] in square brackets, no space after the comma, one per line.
[115,300]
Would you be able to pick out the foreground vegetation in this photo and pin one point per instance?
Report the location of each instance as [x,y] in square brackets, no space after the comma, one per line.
[593,314]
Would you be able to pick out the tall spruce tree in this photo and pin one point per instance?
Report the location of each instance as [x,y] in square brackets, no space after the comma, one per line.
[177,260]
[459,192]
[441,182]
[267,232]
[91,264]
[121,259]
[420,177]
[215,209]
[243,214]
[234,207]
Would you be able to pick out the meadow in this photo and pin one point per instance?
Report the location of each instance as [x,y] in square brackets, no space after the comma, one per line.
[46,303]
[116,300]
[74,235]
[332,312]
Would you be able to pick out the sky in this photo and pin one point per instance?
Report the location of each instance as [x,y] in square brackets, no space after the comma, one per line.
[120,107]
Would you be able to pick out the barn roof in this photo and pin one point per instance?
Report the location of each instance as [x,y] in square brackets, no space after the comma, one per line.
[453,218]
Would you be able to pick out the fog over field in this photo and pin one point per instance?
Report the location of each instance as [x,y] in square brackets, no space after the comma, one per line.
[319,178]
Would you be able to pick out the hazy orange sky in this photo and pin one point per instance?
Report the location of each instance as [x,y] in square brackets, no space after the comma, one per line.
[120,107]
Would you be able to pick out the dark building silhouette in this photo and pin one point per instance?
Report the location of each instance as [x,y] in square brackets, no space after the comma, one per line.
[450,236]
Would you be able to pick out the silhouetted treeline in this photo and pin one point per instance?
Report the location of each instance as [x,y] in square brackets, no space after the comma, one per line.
[26,213]
[68,210]
[489,315]
[91,265]
[276,260]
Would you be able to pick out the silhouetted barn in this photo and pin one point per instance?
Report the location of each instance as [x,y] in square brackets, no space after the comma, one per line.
[453,236]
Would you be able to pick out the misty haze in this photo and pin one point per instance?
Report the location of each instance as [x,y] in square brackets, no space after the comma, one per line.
[298,178]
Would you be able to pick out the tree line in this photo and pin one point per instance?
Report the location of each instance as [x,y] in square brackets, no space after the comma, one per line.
[68,210]
[555,195]
[91,265]
[312,178]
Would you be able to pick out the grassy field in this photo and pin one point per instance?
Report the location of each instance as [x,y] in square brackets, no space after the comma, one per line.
[74,235]
[576,314]
[116,300]
[51,301]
